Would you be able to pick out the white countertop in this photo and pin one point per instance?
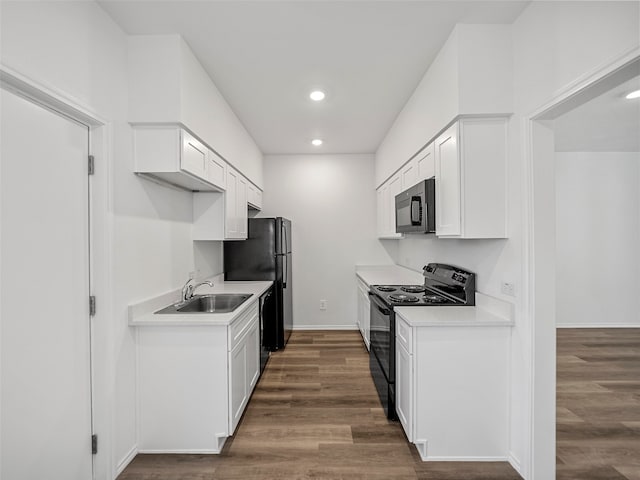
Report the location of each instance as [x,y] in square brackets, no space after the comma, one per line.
[488,312]
[388,275]
[142,314]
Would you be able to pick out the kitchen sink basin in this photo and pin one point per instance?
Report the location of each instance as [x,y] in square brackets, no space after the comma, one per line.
[212,303]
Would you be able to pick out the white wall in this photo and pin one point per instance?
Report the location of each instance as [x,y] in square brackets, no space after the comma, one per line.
[168,84]
[597,238]
[75,49]
[331,202]
[470,75]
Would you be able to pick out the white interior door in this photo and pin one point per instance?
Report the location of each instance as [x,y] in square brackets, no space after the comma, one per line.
[45,363]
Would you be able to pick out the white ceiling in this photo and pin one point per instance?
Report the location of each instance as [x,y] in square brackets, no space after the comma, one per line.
[608,123]
[265,56]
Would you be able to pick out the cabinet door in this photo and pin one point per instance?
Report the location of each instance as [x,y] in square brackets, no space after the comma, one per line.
[251,194]
[363,315]
[448,215]
[242,215]
[360,313]
[366,320]
[238,393]
[231,205]
[404,389]
[216,170]
[380,210]
[409,175]
[395,187]
[194,156]
[253,357]
[425,164]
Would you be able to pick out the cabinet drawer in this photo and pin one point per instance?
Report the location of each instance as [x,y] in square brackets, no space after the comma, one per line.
[242,325]
[404,334]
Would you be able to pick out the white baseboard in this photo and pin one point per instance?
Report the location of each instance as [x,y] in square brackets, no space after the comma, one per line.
[128,458]
[515,463]
[186,451]
[601,325]
[466,459]
[325,327]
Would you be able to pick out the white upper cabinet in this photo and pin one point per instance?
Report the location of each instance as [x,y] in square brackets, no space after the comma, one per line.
[241,214]
[169,85]
[194,156]
[471,164]
[254,197]
[222,216]
[216,169]
[173,155]
[386,204]
[448,183]
[425,163]
[409,174]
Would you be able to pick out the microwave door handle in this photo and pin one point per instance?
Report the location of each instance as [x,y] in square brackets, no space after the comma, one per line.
[416,211]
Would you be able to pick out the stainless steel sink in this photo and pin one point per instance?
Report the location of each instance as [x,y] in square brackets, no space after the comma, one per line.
[213,303]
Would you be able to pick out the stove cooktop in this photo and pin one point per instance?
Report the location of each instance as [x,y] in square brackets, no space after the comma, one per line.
[443,285]
[405,295]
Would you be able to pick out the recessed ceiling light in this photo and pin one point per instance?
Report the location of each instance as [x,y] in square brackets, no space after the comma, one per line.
[316,142]
[635,94]
[317,95]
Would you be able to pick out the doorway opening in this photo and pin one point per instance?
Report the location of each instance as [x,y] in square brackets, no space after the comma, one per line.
[566,231]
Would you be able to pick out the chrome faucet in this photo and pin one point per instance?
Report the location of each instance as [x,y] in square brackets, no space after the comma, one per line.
[188,290]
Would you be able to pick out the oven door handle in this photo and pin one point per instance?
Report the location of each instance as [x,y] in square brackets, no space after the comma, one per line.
[379,306]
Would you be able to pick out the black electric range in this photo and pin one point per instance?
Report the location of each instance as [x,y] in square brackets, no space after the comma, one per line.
[444,285]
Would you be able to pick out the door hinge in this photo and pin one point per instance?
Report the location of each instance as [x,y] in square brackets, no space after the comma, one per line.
[92,305]
[94,444]
[92,165]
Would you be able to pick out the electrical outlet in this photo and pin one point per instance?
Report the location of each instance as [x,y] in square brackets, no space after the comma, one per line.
[323,304]
[508,289]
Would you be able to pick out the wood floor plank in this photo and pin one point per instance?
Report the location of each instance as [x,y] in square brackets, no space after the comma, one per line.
[598,404]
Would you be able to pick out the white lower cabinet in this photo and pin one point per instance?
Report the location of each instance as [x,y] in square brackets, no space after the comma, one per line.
[452,390]
[404,376]
[194,382]
[364,312]
[244,370]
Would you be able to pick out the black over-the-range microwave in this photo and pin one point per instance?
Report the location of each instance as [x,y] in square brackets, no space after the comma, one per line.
[416,208]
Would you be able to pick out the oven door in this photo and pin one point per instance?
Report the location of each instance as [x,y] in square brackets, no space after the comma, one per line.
[382,337]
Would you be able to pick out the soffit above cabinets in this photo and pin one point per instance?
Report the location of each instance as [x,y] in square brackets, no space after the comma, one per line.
[266,56]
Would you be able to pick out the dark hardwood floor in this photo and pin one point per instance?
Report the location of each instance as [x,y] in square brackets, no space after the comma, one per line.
[598,404]
[314,415]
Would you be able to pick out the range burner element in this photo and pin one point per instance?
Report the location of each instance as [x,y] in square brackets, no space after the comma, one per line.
[386,288]
[413,288]
[433,298]
[399,298]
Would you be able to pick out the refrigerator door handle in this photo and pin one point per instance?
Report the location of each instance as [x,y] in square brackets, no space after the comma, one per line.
[286,240]
[286,270]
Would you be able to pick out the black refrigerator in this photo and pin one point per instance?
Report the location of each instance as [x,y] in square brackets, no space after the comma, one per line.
[266,255]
